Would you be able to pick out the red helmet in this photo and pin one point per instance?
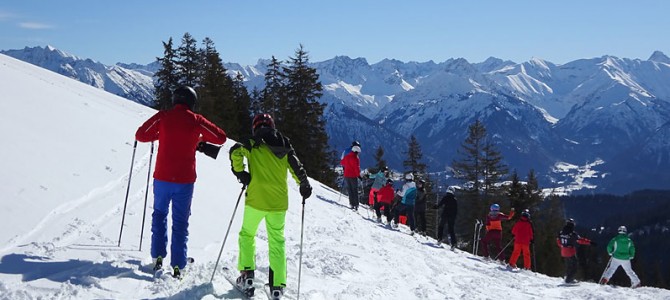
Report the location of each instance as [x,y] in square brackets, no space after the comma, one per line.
[262,120]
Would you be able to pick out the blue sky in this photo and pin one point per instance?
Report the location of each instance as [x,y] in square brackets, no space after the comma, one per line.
[244,31]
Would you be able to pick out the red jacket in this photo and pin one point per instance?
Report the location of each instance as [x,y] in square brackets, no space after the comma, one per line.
[568,240]
[493,220]
[178,132]
[522,231]
[385,194]
[352,165]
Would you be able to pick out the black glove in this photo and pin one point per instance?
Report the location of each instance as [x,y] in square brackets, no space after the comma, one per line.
[532,241]
[208,149]
[305,190]
[243,177]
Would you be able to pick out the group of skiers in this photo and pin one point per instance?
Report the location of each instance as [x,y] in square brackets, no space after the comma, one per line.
[410,201]
[268,154]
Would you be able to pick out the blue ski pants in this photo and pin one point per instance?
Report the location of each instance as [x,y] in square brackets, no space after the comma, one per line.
[180,195]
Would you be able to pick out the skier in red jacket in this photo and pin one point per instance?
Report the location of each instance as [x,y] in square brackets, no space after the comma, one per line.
[179,132]
[567,240]
[523,236]
[384,199]
[352,171]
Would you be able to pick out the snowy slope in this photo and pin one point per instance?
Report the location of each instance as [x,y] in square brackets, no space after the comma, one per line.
[67,153]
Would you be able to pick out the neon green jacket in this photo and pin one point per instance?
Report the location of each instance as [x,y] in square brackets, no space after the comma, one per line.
[621,247]
[269,155]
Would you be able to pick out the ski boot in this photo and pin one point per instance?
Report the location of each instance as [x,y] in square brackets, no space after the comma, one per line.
[276,292]
[176,273]
[246,282]
[158,263]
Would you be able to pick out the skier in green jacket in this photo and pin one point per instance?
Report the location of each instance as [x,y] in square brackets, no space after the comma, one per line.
[269,155]
[622,251]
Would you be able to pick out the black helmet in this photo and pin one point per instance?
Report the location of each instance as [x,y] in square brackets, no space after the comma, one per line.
[184,95]
[262,120]
[389,181]
[355,143]
[526,213]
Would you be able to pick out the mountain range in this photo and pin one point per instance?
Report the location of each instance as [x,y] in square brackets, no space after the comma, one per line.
[589,125]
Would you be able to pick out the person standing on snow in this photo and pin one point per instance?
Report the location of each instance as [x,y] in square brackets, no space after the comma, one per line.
[352,171]
[269,155]
[420,207]
[378,183]
[622,251]
[567,240]
[406,205]
[179,132]
[384,200]
[523,236]
[493,234]
[448,216]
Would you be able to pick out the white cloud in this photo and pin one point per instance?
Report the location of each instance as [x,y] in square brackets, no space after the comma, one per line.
[35,25]
[4,16]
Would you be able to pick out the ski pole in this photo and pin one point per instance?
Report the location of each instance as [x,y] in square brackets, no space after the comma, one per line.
[302,231]
[227,231]
[534,261]
[130,175]
[606,267]
[146,194]
[474,238]
[479,235]
[501,251]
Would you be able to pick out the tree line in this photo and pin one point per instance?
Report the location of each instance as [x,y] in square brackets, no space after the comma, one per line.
[292,88]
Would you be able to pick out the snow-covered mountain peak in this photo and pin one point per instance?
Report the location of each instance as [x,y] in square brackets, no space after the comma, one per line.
[659,56]
[53,50]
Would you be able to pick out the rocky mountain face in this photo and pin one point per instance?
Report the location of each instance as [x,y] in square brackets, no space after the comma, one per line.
[606,118]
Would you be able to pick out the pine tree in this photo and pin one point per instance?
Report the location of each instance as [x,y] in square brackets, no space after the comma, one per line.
[302,117]
[494,170]
[256,102]
[379,158]
[240,113]
[469,167]
[274,93]
[188,61]
[479,166]
[215,91]
[166,77]
[516,192]
[414,154]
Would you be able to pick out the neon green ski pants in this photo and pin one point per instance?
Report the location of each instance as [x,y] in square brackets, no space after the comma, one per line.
[274,224]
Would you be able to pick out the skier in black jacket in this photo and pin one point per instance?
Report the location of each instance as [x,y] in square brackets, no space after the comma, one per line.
[420,207]
[448,216]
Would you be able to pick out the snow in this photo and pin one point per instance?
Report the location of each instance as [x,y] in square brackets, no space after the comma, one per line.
[67,155]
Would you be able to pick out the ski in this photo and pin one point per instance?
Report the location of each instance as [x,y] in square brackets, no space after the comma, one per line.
[231,276]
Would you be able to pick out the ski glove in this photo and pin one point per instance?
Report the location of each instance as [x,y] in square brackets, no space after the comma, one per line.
[305,190]
[243,177]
